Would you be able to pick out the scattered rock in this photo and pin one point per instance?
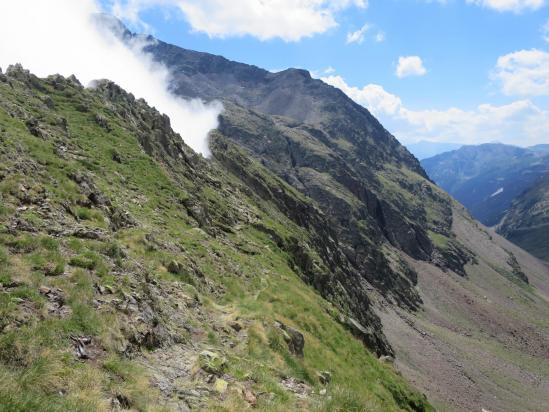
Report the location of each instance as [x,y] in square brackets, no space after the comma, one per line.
[325,377]
[80,343]
[294,339]
[249,397]
[33,127]
[300,388]
[121,220]
[212,362]
[123,401]
[102,122]
[89,233]
[56,301]
[386,359]
[175,267]
[54,269]
[221,386]
[236,326]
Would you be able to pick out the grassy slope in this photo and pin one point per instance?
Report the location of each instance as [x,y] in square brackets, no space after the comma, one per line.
[240,273]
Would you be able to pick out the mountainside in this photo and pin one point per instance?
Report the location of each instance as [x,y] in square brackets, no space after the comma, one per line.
[136,275]
[527,222]
[488,177]
[443,285]
[284,273]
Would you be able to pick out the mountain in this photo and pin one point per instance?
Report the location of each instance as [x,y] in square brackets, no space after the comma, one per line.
[440,282]
[527,222]
[287,272]
[544,148]
[136,275]
[425,149]
[488,177]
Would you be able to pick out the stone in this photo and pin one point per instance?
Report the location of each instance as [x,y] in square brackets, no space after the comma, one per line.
[294,339]
[212,362]
[249,397]
[221,386]
[174,267]
[386,359]
[236,326]
[325,377]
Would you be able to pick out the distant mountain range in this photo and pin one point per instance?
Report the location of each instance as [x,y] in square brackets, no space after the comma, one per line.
[498,183]
[486,178]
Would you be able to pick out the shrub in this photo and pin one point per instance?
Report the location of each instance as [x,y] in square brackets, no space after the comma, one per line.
[84,262]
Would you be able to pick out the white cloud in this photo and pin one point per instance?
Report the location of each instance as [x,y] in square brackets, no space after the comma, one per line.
[525,72]
[68,41]
[520,122]
[545,31]
[358,36]
[515,6]
[290,20]
[372,96]
[380,37]
[410,66]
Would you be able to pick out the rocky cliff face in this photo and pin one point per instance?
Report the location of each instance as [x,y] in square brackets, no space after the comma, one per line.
[527,222]
[335,152]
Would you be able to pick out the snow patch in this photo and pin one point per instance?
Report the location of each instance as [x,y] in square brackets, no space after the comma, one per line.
[497,192]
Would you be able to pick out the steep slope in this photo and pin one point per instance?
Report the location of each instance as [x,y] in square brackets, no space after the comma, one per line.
[488,177]
[481,341]
[334,151]
[434,272]
[527,222]
[136,275]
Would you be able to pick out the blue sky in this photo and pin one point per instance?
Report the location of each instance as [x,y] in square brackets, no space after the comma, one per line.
[470,71]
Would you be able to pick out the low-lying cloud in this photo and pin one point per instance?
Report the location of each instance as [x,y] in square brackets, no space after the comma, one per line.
[520,122]
[62,36]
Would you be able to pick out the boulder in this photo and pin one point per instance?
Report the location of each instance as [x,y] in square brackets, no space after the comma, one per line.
[212,362]
[221,385]
[386,359]
[293,338]
[324,377]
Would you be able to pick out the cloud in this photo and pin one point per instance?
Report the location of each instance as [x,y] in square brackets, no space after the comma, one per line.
[410,66]
[545,31]
[515,6]
[372,96]
[520,122]
[358,36]
[68,40]
[380,37]
[289,20]
[524,72]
